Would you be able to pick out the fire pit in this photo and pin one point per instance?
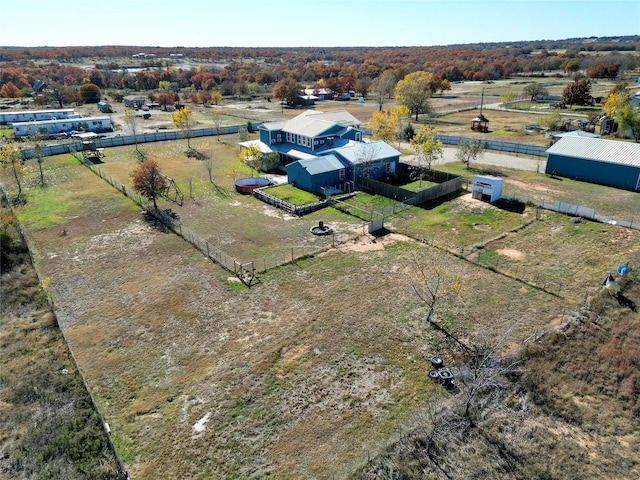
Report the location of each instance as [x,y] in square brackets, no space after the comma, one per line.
[321,229]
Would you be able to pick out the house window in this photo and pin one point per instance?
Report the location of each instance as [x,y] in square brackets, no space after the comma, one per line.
[341,174]
[306,141]
[291,138]
[387,168]
[358,136]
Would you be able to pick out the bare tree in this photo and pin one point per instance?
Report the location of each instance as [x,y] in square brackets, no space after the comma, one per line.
[367,154]
[38,151]
[383,86]
[208,163]
[217,123]
[486,367]
[131,120]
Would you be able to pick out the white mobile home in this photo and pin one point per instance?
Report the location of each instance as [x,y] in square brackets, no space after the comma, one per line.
[88,124]
[35,115]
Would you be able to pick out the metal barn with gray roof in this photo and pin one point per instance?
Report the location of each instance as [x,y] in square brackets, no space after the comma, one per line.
[606,162]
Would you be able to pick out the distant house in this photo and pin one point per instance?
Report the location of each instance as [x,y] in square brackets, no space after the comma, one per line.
[606,162]
[51,127]
[36,115]
[134,101]
[319,93]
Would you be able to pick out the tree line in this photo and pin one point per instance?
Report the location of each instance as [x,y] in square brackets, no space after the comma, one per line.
[252,71]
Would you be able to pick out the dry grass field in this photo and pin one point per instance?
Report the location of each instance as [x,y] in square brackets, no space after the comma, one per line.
[315,367]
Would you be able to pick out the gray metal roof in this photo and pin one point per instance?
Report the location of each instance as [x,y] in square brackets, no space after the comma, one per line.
[313,123]
[272,126]
[598,149]
[357,152]
[326,163]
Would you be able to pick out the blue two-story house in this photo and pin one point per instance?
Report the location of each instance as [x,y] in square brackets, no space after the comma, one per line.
[325,152]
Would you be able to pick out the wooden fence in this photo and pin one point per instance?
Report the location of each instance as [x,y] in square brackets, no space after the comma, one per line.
[408,197]
[213,253]
[261,194]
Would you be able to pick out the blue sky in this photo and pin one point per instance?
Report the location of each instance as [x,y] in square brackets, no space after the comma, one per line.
[294,23]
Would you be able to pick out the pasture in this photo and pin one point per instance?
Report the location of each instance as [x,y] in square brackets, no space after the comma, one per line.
[321,362]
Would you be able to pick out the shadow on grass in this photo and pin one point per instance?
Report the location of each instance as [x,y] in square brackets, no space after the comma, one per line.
[430,205]
[626,302]
[512,206]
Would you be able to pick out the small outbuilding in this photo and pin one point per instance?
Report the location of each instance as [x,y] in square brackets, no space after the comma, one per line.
[105,107]
[487,188]
[613,163]
[134,101]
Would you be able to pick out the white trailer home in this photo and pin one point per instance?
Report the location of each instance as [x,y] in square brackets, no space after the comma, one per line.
[36,115]
[87,124]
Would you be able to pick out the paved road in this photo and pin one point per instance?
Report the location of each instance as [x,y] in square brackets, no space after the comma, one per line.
[490,157]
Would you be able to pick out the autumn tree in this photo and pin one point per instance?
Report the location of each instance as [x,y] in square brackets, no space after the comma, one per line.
[414,92]
[445,86]
[617,99]
[469,151]
[336,85]
[11,159]
[216,97]
[183,121]
[552,120]
[363,85]
[577,93]
[400,117]
[251,157]
[629,119]
[388,125]
[148,179]
[60,94]
[426,149]
[382,127]
[570,66]
[507,97]
[9,90]
[286,90]
[204,97]
[90,93]
[534,89]
[166,100]
[383,86]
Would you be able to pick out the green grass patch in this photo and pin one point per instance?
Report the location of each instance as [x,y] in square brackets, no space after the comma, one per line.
[489,258]
[418,185]
[289,193]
